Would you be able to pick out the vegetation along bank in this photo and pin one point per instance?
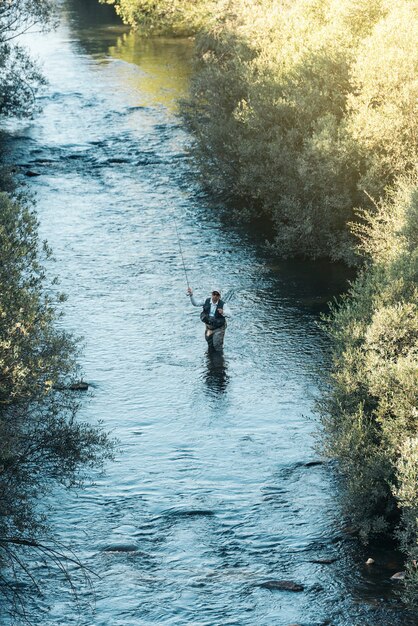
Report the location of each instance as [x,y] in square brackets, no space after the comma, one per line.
[305,114]
[298,108]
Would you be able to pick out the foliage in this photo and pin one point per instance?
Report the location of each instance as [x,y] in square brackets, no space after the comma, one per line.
[296,108]
[19,74]
[179,17]
[41,442]
[383,105]
[370,413]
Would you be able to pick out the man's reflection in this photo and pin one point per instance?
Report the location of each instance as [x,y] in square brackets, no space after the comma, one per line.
[215,376]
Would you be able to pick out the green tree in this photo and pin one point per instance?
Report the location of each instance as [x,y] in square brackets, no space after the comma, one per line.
[296,108]
[383,106]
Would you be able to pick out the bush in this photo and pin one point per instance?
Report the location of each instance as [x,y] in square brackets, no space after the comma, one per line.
[370,414]
[298,107]
[179,17]
[41,442]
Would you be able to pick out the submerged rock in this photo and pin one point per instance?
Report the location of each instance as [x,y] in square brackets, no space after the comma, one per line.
[190,513]
[324,561]
[282,585]
[121,547]
[398,576]
[79,386]
[31,173]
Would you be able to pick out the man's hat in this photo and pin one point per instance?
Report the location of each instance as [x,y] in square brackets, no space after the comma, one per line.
[217,290]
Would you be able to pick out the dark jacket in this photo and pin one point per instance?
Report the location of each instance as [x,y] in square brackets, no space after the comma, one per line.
[220,305]
[217,320]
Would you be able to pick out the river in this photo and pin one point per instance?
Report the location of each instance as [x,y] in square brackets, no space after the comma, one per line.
[217,487]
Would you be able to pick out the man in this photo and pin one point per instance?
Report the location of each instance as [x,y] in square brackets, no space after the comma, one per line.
[214,314]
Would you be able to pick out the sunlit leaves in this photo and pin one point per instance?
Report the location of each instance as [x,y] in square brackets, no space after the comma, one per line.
[180,17]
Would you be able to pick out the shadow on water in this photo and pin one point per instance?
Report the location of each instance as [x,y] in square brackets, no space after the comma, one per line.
[88,19]
[92,16]
[215,375]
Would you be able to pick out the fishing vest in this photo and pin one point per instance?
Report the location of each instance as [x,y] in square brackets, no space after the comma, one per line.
[206,307]
[216,321]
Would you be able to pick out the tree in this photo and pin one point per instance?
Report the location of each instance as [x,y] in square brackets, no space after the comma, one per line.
[19,75]
[383,111]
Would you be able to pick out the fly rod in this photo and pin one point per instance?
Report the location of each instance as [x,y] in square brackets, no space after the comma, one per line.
[181,253]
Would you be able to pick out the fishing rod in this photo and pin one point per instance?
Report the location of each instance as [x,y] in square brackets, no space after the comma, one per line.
[228,296]
[181,253]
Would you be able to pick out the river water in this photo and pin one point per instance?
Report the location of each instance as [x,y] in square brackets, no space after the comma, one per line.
[217,487]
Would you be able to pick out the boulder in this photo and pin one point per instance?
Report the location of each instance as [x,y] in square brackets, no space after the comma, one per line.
[282,585]
[121,547]
[80,386]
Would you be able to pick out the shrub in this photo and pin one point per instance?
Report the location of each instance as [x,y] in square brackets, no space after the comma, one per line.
[370,414]
[179,17]
[41,442]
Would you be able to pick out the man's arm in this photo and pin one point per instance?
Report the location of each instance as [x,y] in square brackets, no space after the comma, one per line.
[193,299]
[226,311]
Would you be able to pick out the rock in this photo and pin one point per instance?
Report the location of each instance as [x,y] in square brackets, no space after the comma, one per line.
[398,576]
[325,561]
[80,386]
[31,173]
[370,562]
[281,585]
[313,463]
[121,547]
[118,160]
[190,513]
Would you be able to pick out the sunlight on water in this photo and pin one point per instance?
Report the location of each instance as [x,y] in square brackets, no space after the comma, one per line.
[164,68]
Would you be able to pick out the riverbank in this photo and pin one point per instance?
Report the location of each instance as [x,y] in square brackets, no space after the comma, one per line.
[370,416]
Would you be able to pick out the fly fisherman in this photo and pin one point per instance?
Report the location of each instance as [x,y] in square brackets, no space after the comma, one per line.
[214,314]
